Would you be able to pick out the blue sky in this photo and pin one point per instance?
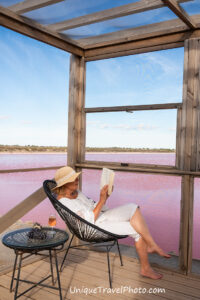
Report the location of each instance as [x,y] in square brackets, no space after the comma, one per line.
[34,95]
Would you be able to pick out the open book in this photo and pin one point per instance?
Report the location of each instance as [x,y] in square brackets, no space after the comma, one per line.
[107,177]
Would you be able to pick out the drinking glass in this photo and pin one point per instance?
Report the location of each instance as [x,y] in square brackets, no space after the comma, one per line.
[52,222]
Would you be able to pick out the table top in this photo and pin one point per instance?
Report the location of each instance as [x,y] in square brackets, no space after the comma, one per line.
[19,239]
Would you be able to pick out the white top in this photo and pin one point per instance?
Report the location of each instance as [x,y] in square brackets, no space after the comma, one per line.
[82,206]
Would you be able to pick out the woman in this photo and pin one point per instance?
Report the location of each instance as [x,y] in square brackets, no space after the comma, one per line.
[126,219]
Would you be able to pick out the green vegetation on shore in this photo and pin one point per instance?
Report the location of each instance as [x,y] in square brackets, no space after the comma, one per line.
[33,148]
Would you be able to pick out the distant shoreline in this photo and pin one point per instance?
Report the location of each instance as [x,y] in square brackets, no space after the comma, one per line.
[103,152]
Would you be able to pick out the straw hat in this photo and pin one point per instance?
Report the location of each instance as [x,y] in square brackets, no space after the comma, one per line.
[65,175]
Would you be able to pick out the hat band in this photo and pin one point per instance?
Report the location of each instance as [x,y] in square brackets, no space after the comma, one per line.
[60,181]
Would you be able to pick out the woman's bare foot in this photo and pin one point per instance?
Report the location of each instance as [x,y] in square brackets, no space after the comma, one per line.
[150,273]
[158,250]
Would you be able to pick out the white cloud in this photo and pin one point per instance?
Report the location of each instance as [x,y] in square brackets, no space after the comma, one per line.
[4,117]
[166,64]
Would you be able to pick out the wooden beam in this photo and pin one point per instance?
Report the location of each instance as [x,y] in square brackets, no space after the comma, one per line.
[133,107]
[115,12]
[178,137]
[189,119]
[180,12]
[138,33]
[21,209]
[133,51]
[28,5]
[167,41]
[197,101]
[165,170]
[76,115]
[30,28]
[186,223]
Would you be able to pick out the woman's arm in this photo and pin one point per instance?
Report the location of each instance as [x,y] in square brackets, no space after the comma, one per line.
[103,197]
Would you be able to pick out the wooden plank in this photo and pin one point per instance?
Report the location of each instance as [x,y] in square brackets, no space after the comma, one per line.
[73,98]
[138,169]
[6,295]
[140,46]
[189,112]
[138,33]
[130,272]
[180,12]
[190,225]
[197,109]
[133,107]
[178,138]
[183,114]
[34,30]
[108,14]
[196,103]
[136,51]
[21,209]
[132,265]
[28,5]
[185,242]
[80,271]
[29,169]
[76,115]
[134,34]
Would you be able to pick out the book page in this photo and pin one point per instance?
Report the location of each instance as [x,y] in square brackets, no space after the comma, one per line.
[107,177]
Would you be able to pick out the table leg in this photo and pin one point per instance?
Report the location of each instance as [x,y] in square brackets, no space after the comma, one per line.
[14,269]
[18,274]
[58,276]
[51,267]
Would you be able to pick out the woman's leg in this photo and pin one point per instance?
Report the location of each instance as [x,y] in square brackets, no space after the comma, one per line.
[138,223]
[146,269]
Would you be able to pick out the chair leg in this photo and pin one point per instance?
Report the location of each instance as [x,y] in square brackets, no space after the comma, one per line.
[119,253]
[66,253]
[108,260]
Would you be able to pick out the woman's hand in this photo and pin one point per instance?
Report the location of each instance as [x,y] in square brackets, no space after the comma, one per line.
[104,193]
[102,200]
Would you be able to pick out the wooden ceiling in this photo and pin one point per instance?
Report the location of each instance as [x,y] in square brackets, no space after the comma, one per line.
[162,35]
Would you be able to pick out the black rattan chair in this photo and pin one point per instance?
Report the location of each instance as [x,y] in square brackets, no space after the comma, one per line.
[82,229]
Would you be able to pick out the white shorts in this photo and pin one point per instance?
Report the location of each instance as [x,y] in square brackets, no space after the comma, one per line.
[117,220]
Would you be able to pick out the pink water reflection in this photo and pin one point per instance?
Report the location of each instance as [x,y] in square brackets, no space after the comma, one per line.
[158,196]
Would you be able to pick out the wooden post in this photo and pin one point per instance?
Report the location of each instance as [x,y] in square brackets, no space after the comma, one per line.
[178,137]
[76,114]
[186,224]
[188,156]
[189,120]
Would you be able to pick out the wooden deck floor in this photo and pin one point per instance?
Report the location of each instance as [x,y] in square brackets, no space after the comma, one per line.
[88,269]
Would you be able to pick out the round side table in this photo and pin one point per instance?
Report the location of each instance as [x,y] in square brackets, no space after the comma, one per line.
[19,241]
